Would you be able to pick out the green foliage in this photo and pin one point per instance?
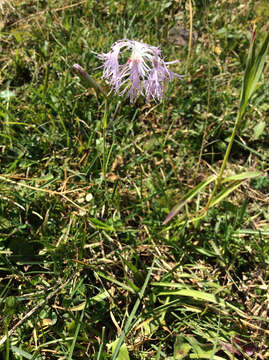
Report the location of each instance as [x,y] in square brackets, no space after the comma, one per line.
[254,67]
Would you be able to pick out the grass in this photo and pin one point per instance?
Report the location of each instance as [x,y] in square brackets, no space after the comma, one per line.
[87,268]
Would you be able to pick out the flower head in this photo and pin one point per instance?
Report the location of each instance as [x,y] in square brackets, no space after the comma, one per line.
[144,73]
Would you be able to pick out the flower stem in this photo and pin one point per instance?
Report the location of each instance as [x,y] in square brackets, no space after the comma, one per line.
[190,35]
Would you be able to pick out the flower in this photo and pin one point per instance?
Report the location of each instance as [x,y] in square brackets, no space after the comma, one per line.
[144,73]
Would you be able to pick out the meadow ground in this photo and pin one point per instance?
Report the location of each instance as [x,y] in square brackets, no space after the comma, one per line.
[87,267]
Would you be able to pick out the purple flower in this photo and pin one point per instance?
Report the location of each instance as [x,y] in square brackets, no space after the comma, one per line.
[144,73]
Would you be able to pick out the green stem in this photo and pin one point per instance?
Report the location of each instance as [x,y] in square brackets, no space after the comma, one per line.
[225,159]
[8,341]
[190,36]
[104,166]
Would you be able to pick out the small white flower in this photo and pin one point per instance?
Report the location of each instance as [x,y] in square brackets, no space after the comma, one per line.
[144,73]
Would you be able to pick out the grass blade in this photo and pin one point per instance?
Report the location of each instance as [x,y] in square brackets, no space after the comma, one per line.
[114,281]
[19,352]
[242,176]
[76,334]
[203,296]
[129,322]
[254,68]
[188,197]
[225,192]
[99,355]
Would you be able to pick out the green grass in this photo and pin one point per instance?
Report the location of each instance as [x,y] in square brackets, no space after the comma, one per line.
[87,268]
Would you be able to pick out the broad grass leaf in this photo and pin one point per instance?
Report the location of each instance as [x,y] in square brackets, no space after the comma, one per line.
[254,68]
[204,355]
[225,192]
[198,352]
[22,353]
[101,296]
[196,294]
[123,353]
[203,296]
[97,224]
[181,348]
[78,307]
[243,176]
[115,281]
[188,197]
